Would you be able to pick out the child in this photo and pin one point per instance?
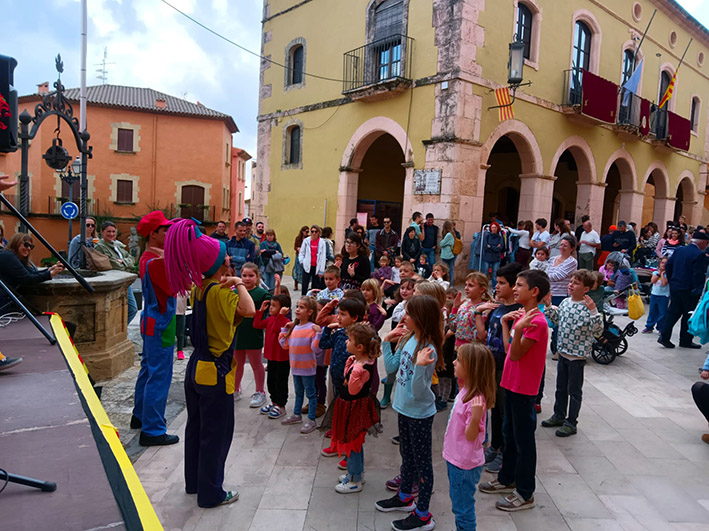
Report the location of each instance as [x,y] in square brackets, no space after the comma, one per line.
[445,375]
[439,275]
[598,291]
[332,291]
[608,269]
[541,259]
[621,278]
[414,360]
[495,311]
[390,286]
[465,433]
[579,323]
[338,261]
[216,312]
[451,294]
[278,365]
[423,269]
[301,338]
[323,360]
[659,298]
[355,408]
[463,322]
[249,340]
[384,272]
[527,346]
[373,295]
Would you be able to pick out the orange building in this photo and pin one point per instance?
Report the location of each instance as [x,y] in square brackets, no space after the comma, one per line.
[239,157]
[150,150]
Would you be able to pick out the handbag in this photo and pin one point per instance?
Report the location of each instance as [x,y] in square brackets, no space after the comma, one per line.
[636,308]
[96,261]
[457,246]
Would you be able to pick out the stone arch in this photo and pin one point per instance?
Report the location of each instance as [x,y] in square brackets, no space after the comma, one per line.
[622,200]
[576,180]
[626,164]
[583,154]
[686,194]
[367,133]
[523,139]
[658,204]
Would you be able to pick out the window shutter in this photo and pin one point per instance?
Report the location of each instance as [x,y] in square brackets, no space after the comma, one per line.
[124,191]
[125,140]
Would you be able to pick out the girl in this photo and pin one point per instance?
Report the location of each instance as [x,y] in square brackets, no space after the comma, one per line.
[439,275]
[447,242]
[524,231]
[355,407]
[271,259]
[493,245]
[541,259]
[659,298]
[297,266]
[355,267]
[421,339]
[465,433]
[384,272]
[405,292]
[249,340]
[373,295]
[302,337]
[463,322]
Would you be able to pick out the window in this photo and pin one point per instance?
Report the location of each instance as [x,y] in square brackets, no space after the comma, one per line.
[664,83]
[388,28]
[293,144]
[124,191]
[694,114]
[628,64]
[580,60]
[125,140]
[295,54]
[73,194]
[524,28]
[239,203]
[296,74]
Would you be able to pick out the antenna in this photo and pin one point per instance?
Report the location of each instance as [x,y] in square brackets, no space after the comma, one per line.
[103,71]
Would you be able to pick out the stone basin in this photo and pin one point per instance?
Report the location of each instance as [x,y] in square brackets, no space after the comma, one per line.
[100,317]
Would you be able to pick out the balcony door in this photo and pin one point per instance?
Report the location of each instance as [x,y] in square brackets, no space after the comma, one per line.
[192,202]
[387,45]
[581,59]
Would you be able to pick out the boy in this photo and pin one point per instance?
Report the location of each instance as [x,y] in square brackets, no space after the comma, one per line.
[278,367]
[579,322]
[598,291]
[504,295]
[406,270]
[331,291]
[338,261]
[423,269]
[521,375]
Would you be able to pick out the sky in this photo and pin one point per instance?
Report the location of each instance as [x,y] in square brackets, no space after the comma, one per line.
[150,45]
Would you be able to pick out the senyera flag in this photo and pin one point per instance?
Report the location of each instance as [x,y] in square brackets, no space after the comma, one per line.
[505,102]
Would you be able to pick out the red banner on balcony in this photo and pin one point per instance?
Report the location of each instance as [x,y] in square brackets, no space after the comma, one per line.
[678,131]
[644,121]
[600,98]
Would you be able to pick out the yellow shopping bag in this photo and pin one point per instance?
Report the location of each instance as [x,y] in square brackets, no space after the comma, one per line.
[636,308]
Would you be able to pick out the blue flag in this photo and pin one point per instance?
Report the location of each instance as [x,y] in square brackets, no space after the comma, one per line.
[631,86]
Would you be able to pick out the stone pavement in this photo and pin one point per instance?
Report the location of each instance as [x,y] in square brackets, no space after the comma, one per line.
[636,463]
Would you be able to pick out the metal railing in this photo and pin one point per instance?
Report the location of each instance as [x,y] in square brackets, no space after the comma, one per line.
[204,213]
[54,205]
[383,60]
[629,114]
[572,87]
[13,199]
[658,122]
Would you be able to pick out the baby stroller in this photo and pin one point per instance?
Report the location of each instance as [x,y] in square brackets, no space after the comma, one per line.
[612,342]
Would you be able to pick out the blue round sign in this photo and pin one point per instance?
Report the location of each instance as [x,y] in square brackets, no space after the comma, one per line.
[69,210]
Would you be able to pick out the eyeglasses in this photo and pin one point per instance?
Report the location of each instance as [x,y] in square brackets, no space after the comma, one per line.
[314,231]
[349,242]
[90,225]
[28,245]
[386,222]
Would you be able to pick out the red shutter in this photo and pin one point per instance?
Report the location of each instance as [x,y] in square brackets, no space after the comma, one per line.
[124,191]
[125,140]
[599,98]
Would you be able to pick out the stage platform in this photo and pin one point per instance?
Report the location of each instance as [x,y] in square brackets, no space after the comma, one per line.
[54,428]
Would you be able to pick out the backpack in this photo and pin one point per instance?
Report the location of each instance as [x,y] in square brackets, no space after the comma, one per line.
[457,245]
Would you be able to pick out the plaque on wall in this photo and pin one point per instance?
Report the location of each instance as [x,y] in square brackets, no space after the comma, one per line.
[427,182]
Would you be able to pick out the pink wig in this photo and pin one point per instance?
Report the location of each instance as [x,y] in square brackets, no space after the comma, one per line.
[189,254]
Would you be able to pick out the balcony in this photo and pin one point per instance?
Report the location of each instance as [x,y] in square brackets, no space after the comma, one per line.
[589,99]
[379,70]
[14,200]
[633,116]
[203,213]
[54,205]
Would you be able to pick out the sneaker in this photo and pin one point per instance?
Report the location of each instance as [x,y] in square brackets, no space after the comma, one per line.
[231,497]
[180,355]
[705,438]
[237,396]
[538,408]
[395,504]
[292,419]
[495,465]
[257,399]
[566,430]
[308,426]
[135,423]
[6,363]
[394,484]
[328,452]
[328,434]
[494,487]
[348,487]
[276,412]
[414,521]
[552,422]
[647,331]
[157,440]
[320,410]
[395,440]
[342,465]
[514,502]
[265,410]
[490,454]
[343,477]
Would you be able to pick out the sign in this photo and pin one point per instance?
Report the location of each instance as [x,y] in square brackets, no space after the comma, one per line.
[69,210]
[427,182]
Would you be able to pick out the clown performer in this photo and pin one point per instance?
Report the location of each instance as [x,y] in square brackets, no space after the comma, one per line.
[219,302]
[157,328]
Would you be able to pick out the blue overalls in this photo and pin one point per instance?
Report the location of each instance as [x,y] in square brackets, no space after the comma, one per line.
[209,389]
[155,376]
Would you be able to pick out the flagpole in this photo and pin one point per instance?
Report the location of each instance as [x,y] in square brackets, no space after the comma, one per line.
[635,59]
[685,53]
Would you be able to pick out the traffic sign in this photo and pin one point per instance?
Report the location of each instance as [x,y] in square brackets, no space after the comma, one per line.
[69,210]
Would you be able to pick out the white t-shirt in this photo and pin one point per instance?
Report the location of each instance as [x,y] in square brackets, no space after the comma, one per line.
[541,237]
[591,237]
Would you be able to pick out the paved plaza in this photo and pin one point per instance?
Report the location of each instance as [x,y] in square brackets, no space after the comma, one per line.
[636,463]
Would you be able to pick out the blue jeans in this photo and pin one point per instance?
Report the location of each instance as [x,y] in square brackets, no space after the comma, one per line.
[270,280]
[132,305]
[463,484]
[355,465]
[430,255]
[305,384]
[658,309]
[493,277]
[450,262]
[519,453]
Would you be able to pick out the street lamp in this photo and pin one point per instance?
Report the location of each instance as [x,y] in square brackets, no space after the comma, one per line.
[515,67]
[70,175]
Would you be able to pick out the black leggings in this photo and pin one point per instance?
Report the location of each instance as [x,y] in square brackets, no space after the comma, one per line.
[416,458]
[497,414]
[307,276]
[700,393]
[277,381]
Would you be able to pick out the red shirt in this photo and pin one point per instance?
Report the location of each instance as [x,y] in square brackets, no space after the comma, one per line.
[272,324]
[524,375]
[158,277]
[314,253]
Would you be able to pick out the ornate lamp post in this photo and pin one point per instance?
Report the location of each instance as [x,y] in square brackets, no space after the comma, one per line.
[515,67]
[70,175]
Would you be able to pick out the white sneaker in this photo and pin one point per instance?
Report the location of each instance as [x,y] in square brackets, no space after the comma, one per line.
[257,399]
[343,477]
[292,419]
[348,487]
[308,426]
[237,396]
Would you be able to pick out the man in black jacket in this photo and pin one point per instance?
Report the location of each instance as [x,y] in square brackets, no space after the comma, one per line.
[624,240]
[386,242]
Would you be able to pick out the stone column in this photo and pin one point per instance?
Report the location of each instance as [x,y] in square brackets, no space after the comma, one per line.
[664,210]
[535,196]
[631,206]
[346,202]
[589,201]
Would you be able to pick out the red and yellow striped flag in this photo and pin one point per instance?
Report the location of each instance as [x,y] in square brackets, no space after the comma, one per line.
[503,98]
[670,90]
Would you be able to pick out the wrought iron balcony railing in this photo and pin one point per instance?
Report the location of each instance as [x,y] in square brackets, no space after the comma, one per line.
[380,61]
[572,87]
[659,123]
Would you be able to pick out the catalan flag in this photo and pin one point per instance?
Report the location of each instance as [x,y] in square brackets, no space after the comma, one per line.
[503,99]
[670,90]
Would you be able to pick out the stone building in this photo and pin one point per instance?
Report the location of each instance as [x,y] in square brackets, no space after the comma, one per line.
[374,90]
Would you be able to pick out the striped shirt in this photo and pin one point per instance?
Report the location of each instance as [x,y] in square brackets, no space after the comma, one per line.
[302,344]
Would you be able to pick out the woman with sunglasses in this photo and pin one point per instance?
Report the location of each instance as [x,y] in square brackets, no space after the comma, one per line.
[17,270]
[120,259]
[355,267]
[313,257]
[74,246]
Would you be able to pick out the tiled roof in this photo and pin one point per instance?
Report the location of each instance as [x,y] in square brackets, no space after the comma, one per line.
[144,99]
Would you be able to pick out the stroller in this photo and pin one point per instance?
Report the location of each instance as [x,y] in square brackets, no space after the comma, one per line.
[612,342]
